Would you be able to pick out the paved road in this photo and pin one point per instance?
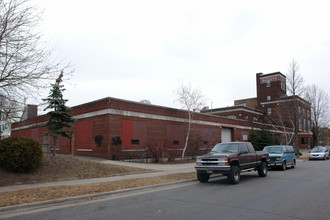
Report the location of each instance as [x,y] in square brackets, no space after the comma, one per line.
[300,193]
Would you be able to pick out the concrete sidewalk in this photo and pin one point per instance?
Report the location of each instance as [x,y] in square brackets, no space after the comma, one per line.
[156,170]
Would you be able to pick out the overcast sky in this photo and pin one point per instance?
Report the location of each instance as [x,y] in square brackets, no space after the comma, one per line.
[137,50]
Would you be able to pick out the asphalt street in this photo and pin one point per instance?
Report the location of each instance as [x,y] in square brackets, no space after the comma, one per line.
[299,193]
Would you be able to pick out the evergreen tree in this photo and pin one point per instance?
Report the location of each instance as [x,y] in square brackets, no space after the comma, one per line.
[60,119]
[261,138]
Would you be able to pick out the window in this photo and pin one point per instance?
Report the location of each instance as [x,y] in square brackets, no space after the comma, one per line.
[250,147]
[135,142]
[309,125]
[269,111]
[300,125]
[308,113]
[175,142]
[282,85]
[268,98]
[244,148]
[116,141]
[304,124]
[304,140]
[268,83]
[206,142]
[299,109]
[246,117]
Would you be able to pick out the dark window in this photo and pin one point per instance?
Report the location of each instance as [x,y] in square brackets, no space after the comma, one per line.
[98,140]
[304,140]
[175,142]
[250,147]
[116,141]
[206,142]
[244,148]
[135,142]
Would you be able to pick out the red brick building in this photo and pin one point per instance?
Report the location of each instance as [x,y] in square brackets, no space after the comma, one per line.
[272,106]
[113,128]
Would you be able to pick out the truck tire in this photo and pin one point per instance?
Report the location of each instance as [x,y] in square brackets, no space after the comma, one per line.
[203,177]
[283,166]
[262,169]
[234,175]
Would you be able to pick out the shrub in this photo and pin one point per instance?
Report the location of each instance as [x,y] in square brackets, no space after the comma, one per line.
[20,154]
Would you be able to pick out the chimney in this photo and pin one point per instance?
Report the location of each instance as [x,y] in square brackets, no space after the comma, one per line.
[30,111]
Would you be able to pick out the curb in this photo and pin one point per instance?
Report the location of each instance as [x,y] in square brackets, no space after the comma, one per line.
[28,206]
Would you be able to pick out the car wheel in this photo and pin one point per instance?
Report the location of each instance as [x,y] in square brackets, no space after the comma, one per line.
[283,166]
[234,175]
[203,177]
[294,164]
[324,157]
[262,169]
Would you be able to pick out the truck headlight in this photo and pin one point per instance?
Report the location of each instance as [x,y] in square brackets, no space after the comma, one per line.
[223,162]
[198,162]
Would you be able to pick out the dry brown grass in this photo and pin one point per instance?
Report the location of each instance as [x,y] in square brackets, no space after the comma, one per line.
[57,192]
[68,168]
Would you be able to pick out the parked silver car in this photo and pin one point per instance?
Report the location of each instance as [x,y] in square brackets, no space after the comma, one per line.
[319,153]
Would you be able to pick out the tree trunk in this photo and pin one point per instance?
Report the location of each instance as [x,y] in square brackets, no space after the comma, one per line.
[187,137]
[54,146]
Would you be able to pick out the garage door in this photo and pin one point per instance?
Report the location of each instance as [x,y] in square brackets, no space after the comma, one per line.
[225,135]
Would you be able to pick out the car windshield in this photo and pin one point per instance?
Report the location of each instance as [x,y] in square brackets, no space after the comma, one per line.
[274,150]
[317,149]
[226,148]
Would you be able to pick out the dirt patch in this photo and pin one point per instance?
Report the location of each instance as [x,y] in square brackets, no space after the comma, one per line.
[63,167]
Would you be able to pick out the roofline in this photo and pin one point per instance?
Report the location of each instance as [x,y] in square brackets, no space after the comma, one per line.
[270,74]
[234,108]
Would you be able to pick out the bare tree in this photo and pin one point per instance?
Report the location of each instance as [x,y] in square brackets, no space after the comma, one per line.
[191,100]
[295,86]
[158,149]
[282,121]
[319,100]
[26,65]
[8,114]
[295,82]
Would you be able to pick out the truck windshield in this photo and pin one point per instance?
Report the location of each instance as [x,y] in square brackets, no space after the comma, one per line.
[226,148]
[274,150]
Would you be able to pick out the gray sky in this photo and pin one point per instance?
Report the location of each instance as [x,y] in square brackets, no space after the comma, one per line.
[138,50]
